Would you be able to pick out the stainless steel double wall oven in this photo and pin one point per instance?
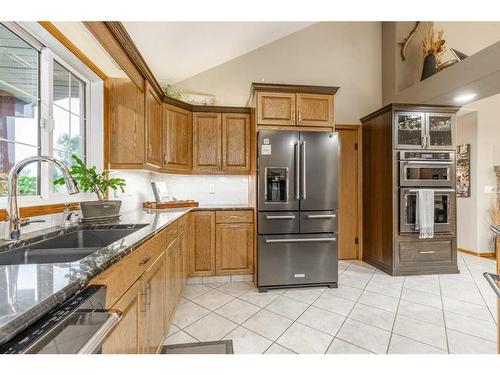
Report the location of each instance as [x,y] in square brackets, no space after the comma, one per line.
[297,209]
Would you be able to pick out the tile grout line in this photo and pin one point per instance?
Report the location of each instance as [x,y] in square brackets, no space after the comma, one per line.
[395,317]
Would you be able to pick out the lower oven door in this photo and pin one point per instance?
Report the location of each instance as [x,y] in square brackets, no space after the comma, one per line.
[444,211]
[301,259]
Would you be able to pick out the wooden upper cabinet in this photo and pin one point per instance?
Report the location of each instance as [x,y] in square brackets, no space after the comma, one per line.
[153,108]
[275,108]
[125,124]
[177,139]
[234,249]
[202,249]
[235,142]
[314,110]
[207,142]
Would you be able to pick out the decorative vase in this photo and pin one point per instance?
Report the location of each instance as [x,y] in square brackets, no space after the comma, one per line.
[429,67]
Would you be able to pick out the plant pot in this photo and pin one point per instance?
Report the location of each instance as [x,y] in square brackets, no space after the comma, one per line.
[96,209]
[429,68]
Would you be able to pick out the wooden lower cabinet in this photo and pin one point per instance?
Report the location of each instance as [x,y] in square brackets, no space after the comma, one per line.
[202,254]
[234,249]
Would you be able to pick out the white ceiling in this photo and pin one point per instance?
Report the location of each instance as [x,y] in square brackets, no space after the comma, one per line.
[176,51]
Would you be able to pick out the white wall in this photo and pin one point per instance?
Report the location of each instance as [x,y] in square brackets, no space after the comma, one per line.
[345,54]
[487,155]
[204,189]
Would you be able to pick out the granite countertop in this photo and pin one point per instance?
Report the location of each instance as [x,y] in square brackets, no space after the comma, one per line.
[28,291]
[222,207]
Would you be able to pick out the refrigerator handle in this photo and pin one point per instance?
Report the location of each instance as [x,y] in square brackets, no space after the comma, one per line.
[297,170]
[303,170]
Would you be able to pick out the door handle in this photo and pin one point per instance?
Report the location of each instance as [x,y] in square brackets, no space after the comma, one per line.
[283,217]
[493,280]
[96,339]
[323,216]
[297,171]
[295,240]
[303,170]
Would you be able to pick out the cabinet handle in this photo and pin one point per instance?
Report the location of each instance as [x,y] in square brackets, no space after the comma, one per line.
[149,150]
[300,115]
[427,252]
[165,157]
[144,304]
[144,260]
[148,293]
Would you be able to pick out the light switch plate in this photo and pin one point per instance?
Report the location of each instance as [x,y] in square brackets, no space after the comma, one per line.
[489,189]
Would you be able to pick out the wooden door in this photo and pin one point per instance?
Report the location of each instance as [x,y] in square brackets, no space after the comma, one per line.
[202,256]
[177,139]
[348,194]
[275,108]
[124,338]
[153,108]
[152,304]
[125,124]
[207,142]
[314,110]
[235,143]
[234,249]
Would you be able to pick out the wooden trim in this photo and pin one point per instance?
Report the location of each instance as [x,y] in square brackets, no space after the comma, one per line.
[277,87]
[478,254]
[205,108]
[126,42]
[410,107]
[295,128]
[177,103]
[41,210]
[54,31]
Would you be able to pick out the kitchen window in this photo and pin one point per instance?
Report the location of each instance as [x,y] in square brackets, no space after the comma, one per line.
[44,103]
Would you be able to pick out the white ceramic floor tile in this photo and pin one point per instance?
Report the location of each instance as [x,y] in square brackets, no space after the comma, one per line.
[268,324]
[461,343]
[322,320]
[379,300]
[210,328]
[365,336]
[345,291]
[422,298]
[195,290]
[287,307]
[472,326]
[353,281]
[180,337]
[305,340]
[305,295]
[386,289]
[404,345]
[468,309]
[278,349]
[235,289]
[237,310]
[373,315]
[172,329]
[421,312]
[248,342]
[339,346]
[421,331]
[259,299]
[423,284]
[213,299]
[334,304]
[388,280]
[188,313]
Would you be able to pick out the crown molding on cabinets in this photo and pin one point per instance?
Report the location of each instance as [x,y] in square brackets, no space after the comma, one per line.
[302,89]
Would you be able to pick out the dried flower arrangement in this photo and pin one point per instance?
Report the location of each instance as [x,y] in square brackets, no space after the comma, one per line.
[434,44]
[173,92]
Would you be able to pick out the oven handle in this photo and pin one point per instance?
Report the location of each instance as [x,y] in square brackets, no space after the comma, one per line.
[294,240]
[427,162]
[493,279]
[96,340]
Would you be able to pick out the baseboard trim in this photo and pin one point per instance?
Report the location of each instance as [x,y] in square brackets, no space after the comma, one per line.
[477,254]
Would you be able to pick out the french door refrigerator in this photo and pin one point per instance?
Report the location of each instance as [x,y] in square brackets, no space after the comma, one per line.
[297,193]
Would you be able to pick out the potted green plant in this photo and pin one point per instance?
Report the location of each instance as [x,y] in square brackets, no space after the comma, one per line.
[98,183]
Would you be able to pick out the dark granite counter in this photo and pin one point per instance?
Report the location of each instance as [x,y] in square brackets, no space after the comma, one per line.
[222,207]
[28,291]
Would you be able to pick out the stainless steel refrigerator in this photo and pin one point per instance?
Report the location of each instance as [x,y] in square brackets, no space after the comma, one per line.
[297,193]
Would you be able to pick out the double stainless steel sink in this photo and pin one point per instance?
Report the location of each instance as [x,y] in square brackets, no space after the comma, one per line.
[69,247]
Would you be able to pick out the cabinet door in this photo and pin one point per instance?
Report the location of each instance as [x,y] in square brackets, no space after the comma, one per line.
[207,142]
[124,338]
[409,129]
[153,107]
[170,282]
[177,139]
[314,110]
[202,256]
[234,249]
[126,124]
[440,130]
[275,108]
[152,304]
[235,142]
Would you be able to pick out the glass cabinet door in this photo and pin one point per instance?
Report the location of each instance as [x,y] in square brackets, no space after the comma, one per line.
[440,130]
[409,129]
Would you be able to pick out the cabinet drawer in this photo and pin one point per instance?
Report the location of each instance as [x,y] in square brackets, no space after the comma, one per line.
[171,233]
[318,221]
[278,222]
[234,216]
[425,251]
[119,277]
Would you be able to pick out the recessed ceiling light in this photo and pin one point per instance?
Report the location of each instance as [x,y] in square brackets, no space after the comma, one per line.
[465,97]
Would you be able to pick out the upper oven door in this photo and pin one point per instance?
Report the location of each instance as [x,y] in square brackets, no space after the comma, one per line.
[421,173]
[444,211]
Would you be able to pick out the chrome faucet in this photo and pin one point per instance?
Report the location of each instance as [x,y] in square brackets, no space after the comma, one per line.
[15,222]
[66,221]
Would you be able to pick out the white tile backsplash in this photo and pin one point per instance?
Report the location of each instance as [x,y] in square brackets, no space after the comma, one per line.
[204,189]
